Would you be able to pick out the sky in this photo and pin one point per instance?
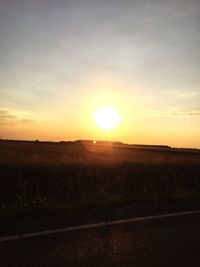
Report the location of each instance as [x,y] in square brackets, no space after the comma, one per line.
[61,60]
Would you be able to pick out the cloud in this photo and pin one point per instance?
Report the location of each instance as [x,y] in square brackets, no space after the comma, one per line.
[9,117]
[175,113]
[191,113]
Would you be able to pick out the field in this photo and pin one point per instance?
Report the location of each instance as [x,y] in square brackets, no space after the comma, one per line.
[84,181]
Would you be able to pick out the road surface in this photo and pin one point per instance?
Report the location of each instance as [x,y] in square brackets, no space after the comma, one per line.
[163,242]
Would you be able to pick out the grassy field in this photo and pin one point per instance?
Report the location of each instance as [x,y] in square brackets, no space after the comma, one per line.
[71,179]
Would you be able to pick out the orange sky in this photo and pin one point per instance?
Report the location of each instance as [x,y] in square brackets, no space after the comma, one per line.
[61,61]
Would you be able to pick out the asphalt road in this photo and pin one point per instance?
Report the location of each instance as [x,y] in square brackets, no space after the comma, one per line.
[162,242]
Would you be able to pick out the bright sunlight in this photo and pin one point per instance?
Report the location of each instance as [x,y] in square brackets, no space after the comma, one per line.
[107,118]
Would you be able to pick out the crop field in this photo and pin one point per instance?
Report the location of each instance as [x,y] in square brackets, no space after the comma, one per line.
[71,179]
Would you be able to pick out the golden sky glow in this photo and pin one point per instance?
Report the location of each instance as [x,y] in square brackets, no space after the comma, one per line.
[60,62]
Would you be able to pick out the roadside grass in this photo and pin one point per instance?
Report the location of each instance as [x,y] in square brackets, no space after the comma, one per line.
[38,180]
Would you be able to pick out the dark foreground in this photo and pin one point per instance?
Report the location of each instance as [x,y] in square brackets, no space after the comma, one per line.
[46,184]
[162,242]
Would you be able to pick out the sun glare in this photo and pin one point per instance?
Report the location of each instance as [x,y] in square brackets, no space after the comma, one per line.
[106,118]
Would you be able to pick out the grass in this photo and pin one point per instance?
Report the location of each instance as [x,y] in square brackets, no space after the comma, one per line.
[38,179]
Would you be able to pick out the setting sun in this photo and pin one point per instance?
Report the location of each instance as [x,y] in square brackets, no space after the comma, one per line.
[107,118]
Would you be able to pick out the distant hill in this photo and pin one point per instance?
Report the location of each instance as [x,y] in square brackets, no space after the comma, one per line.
[89,142]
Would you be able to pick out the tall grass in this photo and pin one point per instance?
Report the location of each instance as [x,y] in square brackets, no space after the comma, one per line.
[76,177]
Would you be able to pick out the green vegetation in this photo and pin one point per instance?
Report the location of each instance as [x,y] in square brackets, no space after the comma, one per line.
[37,179]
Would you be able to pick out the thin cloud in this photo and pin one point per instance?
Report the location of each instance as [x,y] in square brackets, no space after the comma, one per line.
[191,113]
[9,117]
[174,113]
